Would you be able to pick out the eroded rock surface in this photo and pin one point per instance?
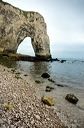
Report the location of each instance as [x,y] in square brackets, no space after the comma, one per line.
[16,24]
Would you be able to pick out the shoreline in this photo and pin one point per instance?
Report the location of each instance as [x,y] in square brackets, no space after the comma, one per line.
[70,114]
[19,105]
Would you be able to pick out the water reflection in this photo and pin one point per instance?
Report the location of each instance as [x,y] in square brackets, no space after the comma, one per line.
[40,67]
[71,74]
[7,62]
[34,68]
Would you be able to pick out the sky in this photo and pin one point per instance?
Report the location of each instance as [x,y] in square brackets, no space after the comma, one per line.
[64,18]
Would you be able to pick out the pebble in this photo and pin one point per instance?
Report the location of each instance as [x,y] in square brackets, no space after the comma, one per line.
[32,122]
[37,117]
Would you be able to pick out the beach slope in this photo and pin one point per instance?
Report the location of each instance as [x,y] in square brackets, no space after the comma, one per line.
[19,105]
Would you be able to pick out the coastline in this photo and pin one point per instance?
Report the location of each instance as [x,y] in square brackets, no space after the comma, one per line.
[19,105]
[70,114]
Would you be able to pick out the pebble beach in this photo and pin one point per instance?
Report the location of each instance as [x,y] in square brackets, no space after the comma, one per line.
[19,105]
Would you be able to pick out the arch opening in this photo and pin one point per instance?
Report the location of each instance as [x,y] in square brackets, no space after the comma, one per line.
[25,47]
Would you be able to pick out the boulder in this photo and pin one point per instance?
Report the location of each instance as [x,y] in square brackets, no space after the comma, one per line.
[71,98]
[48,100]
[45,75]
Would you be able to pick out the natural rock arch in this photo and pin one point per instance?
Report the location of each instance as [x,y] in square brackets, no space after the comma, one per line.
[16,24]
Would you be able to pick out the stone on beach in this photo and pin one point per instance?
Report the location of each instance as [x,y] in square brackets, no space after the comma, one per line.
[49,88]
[45,75]
[51,80]
[38,81]
[8,106]
[71,98]
[48,100]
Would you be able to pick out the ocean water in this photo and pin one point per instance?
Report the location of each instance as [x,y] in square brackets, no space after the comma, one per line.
[69,73]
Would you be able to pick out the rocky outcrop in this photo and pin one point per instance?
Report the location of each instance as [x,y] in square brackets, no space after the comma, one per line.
[16,24]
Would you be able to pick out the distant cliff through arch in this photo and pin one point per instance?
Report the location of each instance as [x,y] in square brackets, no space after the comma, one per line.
[16,25]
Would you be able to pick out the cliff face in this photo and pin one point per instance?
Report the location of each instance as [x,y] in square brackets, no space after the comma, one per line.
[16,24]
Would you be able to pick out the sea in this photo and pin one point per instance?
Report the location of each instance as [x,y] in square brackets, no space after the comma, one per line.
[70,74]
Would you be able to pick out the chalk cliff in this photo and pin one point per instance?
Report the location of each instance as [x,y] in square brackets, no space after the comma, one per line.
[16,24]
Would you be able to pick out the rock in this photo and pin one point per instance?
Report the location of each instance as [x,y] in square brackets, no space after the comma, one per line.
[56,59]
[1,50]
[37,81]
[32,122]
[15,25]
[13,70]
[15,118]
[48,100]
[17,76]
[37,117]
[51,80]
[49,89]
[60,85]
[25,75]
[62,61]
[8,106]
[71,98]
[45,75]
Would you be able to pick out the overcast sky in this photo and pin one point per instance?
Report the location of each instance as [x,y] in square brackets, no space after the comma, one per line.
[64,18]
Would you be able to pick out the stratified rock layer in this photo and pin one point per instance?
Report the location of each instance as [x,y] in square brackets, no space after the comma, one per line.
[16,24]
